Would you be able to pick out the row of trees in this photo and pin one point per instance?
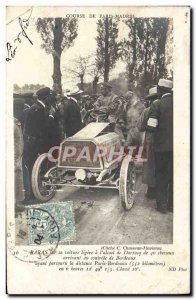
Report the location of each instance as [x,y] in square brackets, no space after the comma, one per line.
[27,88]
[145,51]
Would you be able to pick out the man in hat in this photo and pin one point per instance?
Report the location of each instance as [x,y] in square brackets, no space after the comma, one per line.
[161,123]
[35,131]
[149,165]
[71,113]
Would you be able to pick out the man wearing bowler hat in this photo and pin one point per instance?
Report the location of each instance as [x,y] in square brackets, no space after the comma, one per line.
[161,123]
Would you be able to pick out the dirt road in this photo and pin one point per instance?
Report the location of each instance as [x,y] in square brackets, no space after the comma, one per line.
[100,218]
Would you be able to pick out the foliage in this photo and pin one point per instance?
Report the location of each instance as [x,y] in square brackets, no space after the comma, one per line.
[57,34]
[144,51]
[107,45]
[169,48]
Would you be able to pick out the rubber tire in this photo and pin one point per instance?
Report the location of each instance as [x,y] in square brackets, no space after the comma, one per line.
[126,167]
[34,180]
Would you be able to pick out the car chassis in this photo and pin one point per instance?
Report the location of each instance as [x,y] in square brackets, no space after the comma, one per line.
[82,170]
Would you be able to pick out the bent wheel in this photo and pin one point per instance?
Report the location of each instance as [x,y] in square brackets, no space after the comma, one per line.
[127,183]
[41,191]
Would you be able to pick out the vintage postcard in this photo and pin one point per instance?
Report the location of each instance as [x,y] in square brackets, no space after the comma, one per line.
[98,166]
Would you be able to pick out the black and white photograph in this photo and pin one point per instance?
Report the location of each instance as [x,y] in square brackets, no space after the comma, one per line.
[94,136]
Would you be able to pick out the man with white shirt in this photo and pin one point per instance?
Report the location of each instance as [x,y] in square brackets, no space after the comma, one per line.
[161,123]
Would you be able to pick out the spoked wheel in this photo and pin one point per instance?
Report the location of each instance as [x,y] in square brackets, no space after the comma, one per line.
[127,183]
[41,191]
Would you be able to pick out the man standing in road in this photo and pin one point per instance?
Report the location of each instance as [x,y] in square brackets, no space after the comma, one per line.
[35,131]
[149,165]
[161,123]
[71,113]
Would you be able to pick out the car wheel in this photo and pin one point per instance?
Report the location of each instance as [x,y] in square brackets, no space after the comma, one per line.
[127,183]
[42,165]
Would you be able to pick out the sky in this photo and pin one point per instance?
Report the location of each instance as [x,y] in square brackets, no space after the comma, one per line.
[33,65]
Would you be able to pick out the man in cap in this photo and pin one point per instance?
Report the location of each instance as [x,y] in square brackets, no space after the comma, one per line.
[71,113]
[109,106]
[108,103]
[149,165]
[35,130]
[161,123]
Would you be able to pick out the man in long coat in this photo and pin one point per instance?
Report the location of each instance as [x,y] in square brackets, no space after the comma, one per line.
[149,165]
[71,113]
[161,123]
[35,131]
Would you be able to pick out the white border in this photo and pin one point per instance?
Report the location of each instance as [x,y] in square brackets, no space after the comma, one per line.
[4,3]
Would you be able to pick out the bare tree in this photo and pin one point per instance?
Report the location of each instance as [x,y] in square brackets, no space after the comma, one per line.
[57,34]
[79,68]
[94,72]
[96,75]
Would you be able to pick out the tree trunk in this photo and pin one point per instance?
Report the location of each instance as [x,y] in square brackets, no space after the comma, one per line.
[82,82]
[164,39]
[107,58]
[146,56]
[58,37]
[57,87]
[134,43]
[131,78]
[95,81]
[156,64]
[132,63]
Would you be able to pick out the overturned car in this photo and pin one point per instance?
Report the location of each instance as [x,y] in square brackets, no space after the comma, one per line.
[92,158]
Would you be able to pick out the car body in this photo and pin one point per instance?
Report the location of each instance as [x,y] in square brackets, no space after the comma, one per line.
[92,158]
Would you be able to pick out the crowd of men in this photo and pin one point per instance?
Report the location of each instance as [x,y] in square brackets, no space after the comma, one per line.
[49,118]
